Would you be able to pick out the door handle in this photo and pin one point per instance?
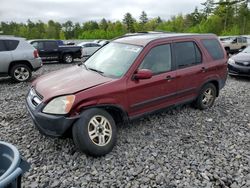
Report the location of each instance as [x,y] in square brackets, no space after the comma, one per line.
[203,69]
[169,78]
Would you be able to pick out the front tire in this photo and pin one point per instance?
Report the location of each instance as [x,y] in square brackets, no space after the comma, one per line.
[20,73]
[95,132]
[206,97]
[68,58]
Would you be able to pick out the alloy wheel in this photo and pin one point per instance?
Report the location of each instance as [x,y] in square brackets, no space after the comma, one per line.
[21,74]
[99,130]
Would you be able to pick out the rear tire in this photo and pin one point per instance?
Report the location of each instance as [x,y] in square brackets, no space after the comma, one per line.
[68,58]
[206,97]
[20,73]
[95,132]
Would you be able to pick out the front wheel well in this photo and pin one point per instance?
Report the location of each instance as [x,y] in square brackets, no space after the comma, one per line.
[13,63]
[119,115]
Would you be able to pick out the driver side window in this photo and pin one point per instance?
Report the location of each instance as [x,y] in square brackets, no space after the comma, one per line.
[158,60]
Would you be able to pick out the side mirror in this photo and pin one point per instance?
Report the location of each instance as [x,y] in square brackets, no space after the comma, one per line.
[143,74]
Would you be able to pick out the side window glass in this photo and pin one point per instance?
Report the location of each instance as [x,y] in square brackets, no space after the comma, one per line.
[50,45]
[2,46]
[35,45]
[239,40]
[40,45]
[11,44]
[187,54]
[214,48]
[158,60]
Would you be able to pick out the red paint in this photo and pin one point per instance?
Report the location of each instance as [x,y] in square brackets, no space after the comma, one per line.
[135,96]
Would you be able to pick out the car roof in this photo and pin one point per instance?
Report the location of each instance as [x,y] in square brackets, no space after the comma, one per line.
[144,39]
[11,37]
[54,40]
[82,43]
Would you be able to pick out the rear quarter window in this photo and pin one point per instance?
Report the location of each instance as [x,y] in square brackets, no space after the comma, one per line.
[2,46]
[214,48]
[11,44]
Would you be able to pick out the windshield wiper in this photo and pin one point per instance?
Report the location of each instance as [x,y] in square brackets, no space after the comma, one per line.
[98,71]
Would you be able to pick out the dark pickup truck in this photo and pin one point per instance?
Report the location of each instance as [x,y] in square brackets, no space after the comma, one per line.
[51,50]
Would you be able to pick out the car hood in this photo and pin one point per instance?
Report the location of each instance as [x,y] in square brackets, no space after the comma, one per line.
[67,81]
[241,57]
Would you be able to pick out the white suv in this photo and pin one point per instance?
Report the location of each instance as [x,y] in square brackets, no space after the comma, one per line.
[18,58]
[234,44]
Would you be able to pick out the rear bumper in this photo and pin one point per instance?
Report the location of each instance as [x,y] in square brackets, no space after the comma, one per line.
[47,124]
[238,70]
[36,63]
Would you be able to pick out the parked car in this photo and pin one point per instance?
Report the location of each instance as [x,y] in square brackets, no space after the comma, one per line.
[128,78]
[97,41]
[88,48]
[18,58]
[234,44]
[239,64]
[103,42]
[50,50]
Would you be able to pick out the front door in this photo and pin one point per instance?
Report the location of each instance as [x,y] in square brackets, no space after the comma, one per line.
[157,92]
[51,52]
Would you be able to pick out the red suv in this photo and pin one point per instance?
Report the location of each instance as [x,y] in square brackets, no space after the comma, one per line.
[128,78]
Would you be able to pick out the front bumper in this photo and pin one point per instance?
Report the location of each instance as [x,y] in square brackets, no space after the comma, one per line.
[238,70]
[50,125]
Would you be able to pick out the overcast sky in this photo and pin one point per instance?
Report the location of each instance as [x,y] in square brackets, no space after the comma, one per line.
[85,10]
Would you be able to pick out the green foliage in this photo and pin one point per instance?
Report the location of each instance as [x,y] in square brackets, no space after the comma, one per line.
[226,17]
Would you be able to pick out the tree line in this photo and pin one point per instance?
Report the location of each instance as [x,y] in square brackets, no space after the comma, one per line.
[226,17]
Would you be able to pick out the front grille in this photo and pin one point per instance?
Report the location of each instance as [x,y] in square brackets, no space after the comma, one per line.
[245,64]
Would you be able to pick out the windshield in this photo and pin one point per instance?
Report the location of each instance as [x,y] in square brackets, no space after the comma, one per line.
[114,59]
[246,50]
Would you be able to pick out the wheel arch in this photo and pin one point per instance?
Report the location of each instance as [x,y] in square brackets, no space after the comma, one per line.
[117,112]
[215,83]
[13,63]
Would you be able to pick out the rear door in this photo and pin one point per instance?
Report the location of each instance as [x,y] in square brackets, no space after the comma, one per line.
[51,51]
[157,92]
[5,57]
[190,69]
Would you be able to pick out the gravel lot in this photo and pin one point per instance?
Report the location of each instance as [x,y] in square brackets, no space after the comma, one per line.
[183,147]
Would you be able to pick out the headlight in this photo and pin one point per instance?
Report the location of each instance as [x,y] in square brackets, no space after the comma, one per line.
[230,61]
[60,105]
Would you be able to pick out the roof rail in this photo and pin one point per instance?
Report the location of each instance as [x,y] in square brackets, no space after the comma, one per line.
[141,33]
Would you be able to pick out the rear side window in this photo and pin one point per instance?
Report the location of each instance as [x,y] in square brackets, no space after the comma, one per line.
[244,40]
[11,44]
[2,46]
[239,40]
[38,45]
[214,49]
[50,45]
[187,54]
